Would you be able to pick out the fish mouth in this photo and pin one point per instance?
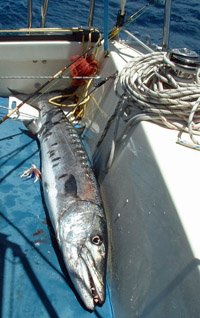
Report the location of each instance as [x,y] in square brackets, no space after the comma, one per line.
[97,294]
[89,281]
[96,297]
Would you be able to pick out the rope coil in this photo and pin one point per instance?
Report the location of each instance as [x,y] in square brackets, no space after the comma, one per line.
[151,83]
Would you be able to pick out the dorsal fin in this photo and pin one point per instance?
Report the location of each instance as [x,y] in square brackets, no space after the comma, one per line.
[71,186]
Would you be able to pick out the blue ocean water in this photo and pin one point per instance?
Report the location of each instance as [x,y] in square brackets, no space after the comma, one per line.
[185,18]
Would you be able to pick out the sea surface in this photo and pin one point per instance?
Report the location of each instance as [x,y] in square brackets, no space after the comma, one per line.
[185,18]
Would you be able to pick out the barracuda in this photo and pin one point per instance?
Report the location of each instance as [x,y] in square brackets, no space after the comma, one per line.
[73,202]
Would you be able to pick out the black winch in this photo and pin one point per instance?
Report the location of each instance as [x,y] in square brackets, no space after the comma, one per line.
[187,63]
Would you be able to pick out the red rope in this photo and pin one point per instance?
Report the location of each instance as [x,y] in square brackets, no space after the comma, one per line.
[83,67]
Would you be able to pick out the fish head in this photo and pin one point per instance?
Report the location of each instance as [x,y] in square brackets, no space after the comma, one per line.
[83,240]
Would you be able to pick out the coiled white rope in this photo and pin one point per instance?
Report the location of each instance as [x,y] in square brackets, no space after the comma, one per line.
[149,82]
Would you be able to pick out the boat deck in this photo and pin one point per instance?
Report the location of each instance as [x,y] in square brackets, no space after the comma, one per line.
[33,282]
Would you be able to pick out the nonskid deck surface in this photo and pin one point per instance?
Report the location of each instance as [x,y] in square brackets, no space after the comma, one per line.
[32,280]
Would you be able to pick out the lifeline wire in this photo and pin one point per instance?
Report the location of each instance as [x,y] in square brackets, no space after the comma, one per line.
[149,83]
[60,73]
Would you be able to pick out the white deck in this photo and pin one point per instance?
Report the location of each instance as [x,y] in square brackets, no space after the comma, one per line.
[151,195]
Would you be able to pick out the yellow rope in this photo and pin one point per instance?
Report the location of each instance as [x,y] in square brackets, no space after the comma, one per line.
[54,102]
[82,104]
[78,107]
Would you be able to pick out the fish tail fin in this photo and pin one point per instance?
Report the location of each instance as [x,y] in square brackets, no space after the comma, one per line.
[32,101]
[19,109]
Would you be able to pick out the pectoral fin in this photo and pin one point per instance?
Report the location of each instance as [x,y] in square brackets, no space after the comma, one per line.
[71,186]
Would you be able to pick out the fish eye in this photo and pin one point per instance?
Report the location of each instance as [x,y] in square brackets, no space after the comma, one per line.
[97,240]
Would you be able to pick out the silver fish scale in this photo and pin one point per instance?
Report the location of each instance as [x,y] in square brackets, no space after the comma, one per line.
[73,201]
[62,146]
